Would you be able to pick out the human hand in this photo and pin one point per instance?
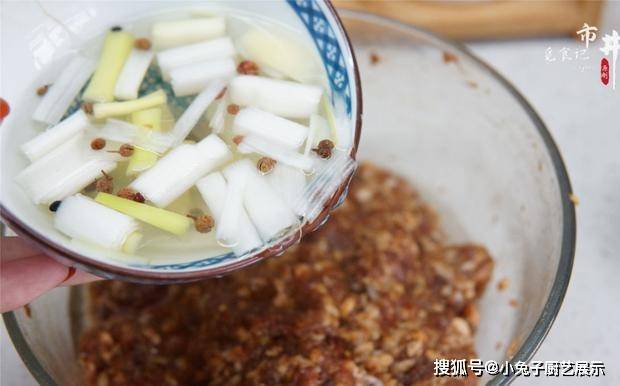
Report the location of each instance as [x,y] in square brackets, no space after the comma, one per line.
[26,274]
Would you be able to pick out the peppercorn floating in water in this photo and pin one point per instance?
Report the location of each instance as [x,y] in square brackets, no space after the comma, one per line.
[126,193]
[97,144]
[266,164]
[203,223]
[324,149]
[192,137]
[105,183]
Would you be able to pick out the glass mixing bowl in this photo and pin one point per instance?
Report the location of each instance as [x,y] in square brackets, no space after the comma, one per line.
[473,147]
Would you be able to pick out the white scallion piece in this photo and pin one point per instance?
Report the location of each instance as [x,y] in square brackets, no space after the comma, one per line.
[319,130]
[193,78]
[288,182]
[312,134]
[115,109]
[340,127]
[178,170]
[55,136]
[280,52]
[179,32]
[218,120]
[133,73]
[215,49]
[195,110]
[255,144]
[82,218]
[267,209]
[213,190]
[284,98]
[228,228]
[124,132]
[252,120]
[62,93]
[65,171]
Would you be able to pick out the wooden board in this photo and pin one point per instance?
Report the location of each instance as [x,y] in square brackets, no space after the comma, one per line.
[490,19]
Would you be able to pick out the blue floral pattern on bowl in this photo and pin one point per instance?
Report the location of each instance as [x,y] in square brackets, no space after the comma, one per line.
[325,40]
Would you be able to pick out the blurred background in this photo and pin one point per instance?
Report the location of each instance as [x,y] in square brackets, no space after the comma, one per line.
[536,46]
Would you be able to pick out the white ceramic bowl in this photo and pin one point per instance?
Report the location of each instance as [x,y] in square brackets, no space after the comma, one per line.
[41,34]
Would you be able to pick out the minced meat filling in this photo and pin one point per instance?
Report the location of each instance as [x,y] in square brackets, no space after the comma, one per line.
[371,298]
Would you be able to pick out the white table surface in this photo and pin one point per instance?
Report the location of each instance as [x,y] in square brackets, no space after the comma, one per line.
[584,119]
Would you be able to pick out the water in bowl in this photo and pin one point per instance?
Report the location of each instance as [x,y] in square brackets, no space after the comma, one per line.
[185,134]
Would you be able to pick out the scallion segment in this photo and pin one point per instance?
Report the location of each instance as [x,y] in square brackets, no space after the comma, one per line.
[132,74]
[167,34]
[148,118]
[160,218]
[228,229]
[193,78]
[178,170]
[341,132]
[55,136]
[140,161]
[284,98]
[276,129]
[63,91]
[266,47]
[125,132]
[143,159]
[266,208]
[255,144]
[213,190]
[216,49]
[65,171]
[218,120]
[81,218]
[195,110]
[319,130]
[116,48]
[115,109]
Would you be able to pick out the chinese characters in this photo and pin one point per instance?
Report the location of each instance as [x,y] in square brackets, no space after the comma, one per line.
[477,367]
[588,34]
[611,45]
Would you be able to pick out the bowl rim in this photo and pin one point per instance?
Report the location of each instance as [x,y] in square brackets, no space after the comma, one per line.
[562,277]
[111,271]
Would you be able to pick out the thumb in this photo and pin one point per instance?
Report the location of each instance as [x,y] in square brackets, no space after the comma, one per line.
[24,280]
